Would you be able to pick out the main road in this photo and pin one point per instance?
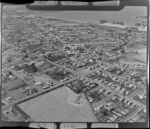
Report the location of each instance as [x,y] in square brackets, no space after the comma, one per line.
[5,107]
[43,91]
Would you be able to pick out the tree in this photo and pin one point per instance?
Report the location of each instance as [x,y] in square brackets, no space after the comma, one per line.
[103,21]
[136,52]
[137,24]
[121,23]
[123,50]
[9,59]
[32,68]
[26,56]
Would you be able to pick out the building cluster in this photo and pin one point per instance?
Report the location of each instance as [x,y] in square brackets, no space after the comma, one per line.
[115,109]
[7,76]
[84,57]
[113,82]
[14,88]
[139,117]
[59,74]
[81,85]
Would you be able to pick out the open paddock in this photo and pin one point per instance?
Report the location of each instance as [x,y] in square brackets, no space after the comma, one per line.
[54,106]
[13,85]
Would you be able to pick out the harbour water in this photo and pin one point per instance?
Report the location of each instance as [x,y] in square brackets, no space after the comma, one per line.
[128,15]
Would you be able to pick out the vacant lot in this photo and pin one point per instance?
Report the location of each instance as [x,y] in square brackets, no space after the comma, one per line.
[142,55]
[54,106]
[13,85]
[17,94]
[140,58]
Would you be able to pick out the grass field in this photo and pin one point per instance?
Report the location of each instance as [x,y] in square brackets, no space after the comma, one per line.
[17,94]
[41,78]
[54,106]
[13,85]
[140,58]
[142,55]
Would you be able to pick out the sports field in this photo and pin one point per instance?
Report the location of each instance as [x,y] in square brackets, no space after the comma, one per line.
[54,106]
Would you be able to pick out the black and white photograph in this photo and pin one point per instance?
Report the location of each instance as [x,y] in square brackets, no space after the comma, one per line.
[74,65]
